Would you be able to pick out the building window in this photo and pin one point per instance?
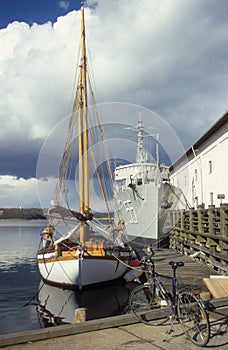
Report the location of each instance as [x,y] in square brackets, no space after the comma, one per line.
[196,201]
[211,198]
[196,175]
[210,166]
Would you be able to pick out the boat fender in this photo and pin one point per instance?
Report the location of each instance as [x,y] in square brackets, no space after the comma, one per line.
[134,263]
[132,275]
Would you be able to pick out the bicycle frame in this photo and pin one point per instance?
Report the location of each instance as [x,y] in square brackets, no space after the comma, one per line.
[170,298]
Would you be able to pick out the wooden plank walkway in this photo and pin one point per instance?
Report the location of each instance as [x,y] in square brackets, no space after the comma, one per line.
[191,274]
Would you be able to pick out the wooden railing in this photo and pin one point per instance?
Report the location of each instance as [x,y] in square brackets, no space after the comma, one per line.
[203,234]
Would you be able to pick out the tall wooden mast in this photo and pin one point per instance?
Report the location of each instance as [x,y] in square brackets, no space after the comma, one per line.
[83,129]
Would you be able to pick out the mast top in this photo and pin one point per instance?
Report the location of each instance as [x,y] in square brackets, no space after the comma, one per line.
[141,156]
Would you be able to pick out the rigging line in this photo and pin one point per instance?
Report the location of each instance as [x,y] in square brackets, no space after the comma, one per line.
[107,162]
[178,197]
[104,143]
[69,169]
[102,176]
[73,282]
[45,264]
[90,69]
[101,185]
[106,182]
[67,148]
[30,300]
[127,265]
[35,296]
[76,73]
[91,82]
[65,160]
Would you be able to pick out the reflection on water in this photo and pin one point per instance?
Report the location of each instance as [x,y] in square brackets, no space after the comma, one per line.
[19,242]
[26,303]
[56,306]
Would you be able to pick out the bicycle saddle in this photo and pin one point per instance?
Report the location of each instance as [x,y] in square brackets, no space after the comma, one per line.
[176,264]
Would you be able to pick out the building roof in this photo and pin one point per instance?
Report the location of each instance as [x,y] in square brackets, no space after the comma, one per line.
[222,121]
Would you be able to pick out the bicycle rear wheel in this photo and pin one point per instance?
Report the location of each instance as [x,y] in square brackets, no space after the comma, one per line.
[147,306]
[193,318]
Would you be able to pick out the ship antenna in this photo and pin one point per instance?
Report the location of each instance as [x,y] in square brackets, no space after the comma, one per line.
[141,156]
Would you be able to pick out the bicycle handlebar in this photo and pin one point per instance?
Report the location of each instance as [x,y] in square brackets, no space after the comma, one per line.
[147,260]
[150,251]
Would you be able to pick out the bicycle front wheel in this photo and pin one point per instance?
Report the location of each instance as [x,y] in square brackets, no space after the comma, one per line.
[147,306]
[193,318]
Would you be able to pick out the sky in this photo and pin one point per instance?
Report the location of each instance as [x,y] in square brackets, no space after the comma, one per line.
[167,56]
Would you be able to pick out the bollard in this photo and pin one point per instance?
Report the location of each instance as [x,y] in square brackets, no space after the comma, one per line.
[205,296]
[80,315]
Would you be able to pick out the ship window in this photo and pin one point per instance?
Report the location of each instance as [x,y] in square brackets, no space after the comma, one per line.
[121,183]
[139,182]
[211,198]
[196,201]
[185,181]
[196,175]
[210,166]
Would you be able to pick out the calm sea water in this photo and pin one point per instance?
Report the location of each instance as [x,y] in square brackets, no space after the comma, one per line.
[26,303]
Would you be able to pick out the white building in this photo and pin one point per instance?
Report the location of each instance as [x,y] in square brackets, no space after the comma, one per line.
[202,173]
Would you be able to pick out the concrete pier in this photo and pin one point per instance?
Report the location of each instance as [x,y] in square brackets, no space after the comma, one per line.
[112,334]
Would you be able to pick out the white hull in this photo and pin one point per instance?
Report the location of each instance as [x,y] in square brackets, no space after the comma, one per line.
[140,216]
[80,272]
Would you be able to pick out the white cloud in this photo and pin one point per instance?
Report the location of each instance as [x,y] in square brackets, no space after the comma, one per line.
[168,56]
[18,192]
[27,193]
[37,75]
[64,4]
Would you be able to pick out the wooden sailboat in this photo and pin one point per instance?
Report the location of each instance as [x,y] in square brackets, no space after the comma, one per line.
[87,253]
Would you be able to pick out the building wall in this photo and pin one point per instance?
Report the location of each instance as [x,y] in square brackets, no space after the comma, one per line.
[204,173]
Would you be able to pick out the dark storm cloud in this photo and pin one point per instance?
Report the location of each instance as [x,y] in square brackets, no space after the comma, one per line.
[167,56]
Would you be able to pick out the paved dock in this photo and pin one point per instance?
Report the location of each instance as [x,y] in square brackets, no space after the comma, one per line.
[131,337]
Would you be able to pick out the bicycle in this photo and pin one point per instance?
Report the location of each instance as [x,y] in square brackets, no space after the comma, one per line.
[153,304]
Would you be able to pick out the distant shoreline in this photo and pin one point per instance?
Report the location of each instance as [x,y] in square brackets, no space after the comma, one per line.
[32,214]
[22,213]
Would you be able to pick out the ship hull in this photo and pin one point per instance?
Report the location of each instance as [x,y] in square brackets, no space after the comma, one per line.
[80,272]
[147,216]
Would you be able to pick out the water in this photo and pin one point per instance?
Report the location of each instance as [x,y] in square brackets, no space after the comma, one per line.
[26,303]
[19,276]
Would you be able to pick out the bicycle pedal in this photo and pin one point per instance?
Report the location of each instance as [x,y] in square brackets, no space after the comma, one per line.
[163,303]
